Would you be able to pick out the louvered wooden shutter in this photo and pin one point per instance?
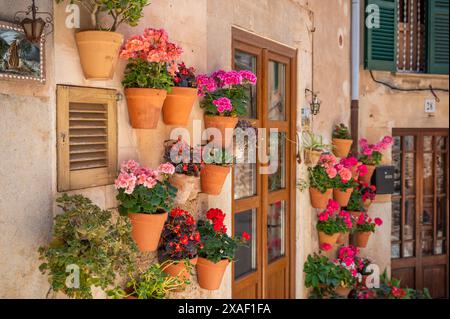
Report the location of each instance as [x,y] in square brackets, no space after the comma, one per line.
[438,36]
[381,43]
[87,137]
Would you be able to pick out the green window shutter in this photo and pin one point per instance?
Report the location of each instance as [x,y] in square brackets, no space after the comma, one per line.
[438,36]
[381,43]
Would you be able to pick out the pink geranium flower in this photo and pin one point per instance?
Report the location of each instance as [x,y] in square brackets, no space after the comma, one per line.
[223,104]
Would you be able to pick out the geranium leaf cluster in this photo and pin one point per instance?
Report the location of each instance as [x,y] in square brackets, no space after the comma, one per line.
[88,238]
[141,74]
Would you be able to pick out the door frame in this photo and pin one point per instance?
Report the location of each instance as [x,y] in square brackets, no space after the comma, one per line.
[418,262]
[262,48]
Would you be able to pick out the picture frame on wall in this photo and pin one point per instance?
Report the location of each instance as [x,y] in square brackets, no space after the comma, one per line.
[20,59]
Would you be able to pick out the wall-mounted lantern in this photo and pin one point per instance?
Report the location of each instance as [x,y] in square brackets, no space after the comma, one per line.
[34,25]
[315,102]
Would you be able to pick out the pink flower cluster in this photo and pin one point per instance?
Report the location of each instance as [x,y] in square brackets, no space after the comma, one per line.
[365,219]
[132,175]
[368,149]
[355,167]
[344,173]
[220,79]
[328,162]
[330,211]
[223,104]
[347,256]
[153,46]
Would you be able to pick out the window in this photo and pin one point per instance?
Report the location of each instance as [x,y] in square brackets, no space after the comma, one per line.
[86,137]
[412,37]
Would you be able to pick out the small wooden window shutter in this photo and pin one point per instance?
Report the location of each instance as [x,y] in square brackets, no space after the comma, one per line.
[438,36]
[381,43]
[86,137]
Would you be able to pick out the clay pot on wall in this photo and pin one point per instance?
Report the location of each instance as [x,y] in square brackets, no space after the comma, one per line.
[362,238]
[144,106]
[99,51]
[318,199]
[187,187]
[312,157]
[212,178]
[343,291]
[341,147]
[342,197]
[178,106]
[368,177]
[222,123]
[146,230]
[209,274]
[343,238]
[328,239]
[179,269]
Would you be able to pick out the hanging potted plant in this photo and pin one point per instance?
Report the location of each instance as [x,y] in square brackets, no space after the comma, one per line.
[343,185]
[313,147]
[217,251]
[346,270]
[368,194]
[179,243]
[180,100]
[188,165]
[331,223]
[217,167]
[342,141]
[355,205]
[146,196]
[319,275]
[99,48]
[371,156]
[88,237]
[225,95]
[321,181]
[148,75]
[153,283]
[364,228]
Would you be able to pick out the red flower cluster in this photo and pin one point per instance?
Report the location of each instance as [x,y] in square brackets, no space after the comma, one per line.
[217,217]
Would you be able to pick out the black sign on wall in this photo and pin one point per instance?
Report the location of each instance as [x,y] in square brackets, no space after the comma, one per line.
[383,179]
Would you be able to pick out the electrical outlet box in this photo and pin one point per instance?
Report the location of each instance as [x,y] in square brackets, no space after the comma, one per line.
[383,179]
[430,106]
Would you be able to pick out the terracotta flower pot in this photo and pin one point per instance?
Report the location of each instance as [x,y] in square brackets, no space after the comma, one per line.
[146,230]
[328,239]
[368,177]
[343,238]
[178,269]
[222,123]
[362,238]
[178,105]
[99,51]
[341,147]
[144,106]
[343,291]
[213,177]
[186,185]
[209,274]
[342,197]
[312,157]
[319,200]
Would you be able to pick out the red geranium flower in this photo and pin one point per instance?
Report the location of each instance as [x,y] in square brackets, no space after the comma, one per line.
[246,236]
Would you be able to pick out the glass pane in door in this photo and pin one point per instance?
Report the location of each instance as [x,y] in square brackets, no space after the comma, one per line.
[428,178]
[277,91]
[276,230]
[277,180]
[244,180]
[245,255]
[246,61]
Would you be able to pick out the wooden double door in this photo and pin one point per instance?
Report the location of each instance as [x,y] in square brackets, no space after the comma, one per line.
[420,210]
[264,204]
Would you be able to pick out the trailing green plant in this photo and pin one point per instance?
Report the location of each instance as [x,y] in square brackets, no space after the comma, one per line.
[89,239]
[217,156]
[143,190]
[216,245]
[121,11]
[320,275]
[341,131]
[150,284]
